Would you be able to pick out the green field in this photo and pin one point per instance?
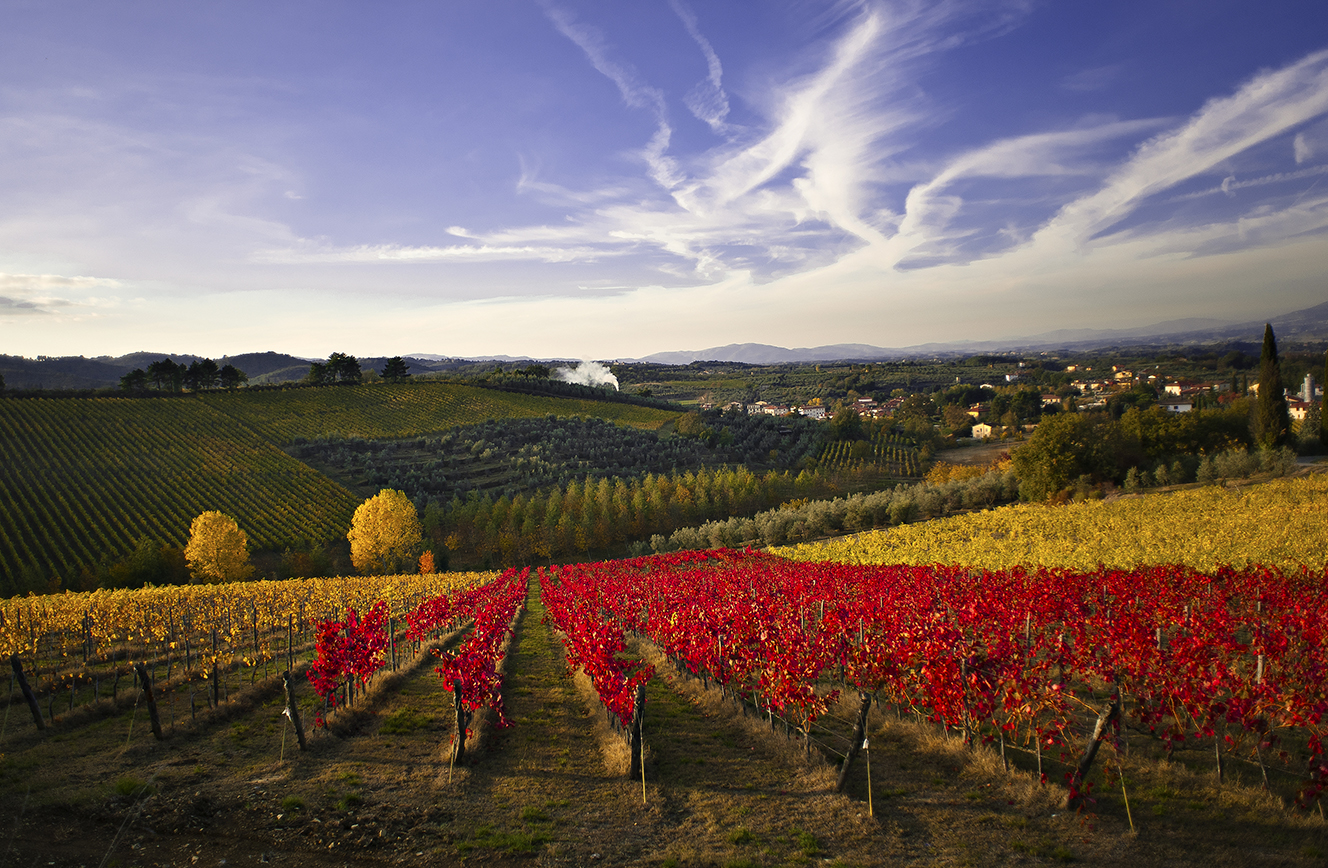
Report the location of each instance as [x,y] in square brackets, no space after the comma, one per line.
[405,409]
[85,478]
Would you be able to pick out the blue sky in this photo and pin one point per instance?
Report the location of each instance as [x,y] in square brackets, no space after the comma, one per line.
[613,179]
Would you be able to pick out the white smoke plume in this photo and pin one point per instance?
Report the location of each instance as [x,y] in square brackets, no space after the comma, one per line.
[587,374]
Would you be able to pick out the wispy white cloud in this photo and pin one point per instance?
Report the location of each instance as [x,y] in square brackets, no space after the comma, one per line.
[748,167]
[929,209]
[1269,104]
[635,92]
[1096,78]
[801,181]
[38,294]
[834,180]
[1230,184]
[707,101]
[1310,142]
[396,253]
[1104,193]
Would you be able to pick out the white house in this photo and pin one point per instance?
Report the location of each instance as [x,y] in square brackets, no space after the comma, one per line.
[981,431]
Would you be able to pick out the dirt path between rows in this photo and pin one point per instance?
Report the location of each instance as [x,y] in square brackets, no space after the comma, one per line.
[721,789]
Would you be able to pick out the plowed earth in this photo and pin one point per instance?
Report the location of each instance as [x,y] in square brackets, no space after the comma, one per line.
[722,788]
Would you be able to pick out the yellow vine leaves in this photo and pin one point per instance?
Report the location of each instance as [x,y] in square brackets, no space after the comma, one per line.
[385,533]
[1278,523]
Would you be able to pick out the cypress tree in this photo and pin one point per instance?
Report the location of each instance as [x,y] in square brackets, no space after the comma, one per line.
[1323,414]
[1272,421]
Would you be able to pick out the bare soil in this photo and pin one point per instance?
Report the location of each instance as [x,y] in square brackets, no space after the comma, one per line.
[977,453]
[722,788]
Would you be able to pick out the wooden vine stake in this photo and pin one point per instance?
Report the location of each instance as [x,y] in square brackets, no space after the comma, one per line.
[1129,816]
[146,683]
[1108,716]
[293,709]
[871,812]
[27,692]
[855,745]
[638,765]
[462,721]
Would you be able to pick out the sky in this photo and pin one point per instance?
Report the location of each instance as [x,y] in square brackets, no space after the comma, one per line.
[600,180]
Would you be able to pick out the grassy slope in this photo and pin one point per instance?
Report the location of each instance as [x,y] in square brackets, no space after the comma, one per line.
[1276,523]
[406,410]
[85,478]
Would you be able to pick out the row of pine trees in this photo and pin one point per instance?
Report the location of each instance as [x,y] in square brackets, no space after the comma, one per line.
[606,515]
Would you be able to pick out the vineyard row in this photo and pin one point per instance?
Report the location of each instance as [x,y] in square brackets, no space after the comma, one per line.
[1234,659]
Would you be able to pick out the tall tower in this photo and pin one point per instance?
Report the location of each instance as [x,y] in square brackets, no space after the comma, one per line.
[1307,390]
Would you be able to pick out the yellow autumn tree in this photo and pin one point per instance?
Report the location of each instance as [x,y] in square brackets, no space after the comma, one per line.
[384,533]
[218,551]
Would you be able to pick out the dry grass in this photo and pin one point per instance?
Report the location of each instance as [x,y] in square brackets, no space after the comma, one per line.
[613,746]
[722,789]
[813,774]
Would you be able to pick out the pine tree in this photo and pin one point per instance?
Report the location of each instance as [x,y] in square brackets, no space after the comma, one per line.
[395,371]
[1272,421]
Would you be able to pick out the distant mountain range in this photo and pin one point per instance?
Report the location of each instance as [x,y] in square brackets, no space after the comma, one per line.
[1298,327]
[1302,326]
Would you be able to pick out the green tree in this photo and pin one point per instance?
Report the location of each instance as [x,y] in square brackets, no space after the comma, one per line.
[134,381]
[1065,447]
[218,550]
[385,534]
[1272,421]
[166,374]
[957,419]
[846,424]
[201,374]
[692,426]
[1323,404]
[535,371]
[396,370]
[916,407]
[1014,406]
[318,375]
[230,376]
[149,563]
[344,369]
